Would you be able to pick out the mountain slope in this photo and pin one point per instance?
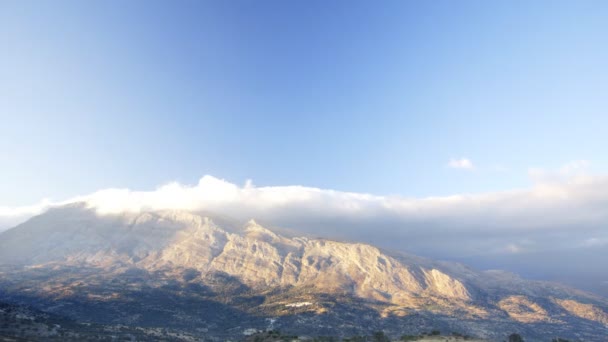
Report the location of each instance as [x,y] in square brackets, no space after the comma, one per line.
[76,258]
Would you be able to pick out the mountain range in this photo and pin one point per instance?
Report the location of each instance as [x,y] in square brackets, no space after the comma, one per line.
[191,276]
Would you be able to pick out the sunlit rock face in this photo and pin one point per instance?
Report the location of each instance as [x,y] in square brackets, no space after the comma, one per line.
[523,310]
[255,255]
[586,311]
[207,257]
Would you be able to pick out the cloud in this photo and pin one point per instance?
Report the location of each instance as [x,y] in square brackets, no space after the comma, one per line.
[570,170]
[546,216]
[10,217]
[575,166]
[594,242]
[556,222]
[461,163]
[513,248]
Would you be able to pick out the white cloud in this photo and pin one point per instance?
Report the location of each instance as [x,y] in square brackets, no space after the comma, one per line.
[513,248]
[574,167]
[535,225]
[547,216]
[571,170]
[594,242]
[461,163]
[10,217]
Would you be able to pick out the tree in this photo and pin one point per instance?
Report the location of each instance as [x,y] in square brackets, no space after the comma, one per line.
[515,338]
[380,337]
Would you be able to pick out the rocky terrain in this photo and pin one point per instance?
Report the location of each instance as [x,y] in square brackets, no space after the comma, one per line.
[186,276]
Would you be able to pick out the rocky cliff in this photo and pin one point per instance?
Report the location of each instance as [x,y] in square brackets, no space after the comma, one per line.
[72,256]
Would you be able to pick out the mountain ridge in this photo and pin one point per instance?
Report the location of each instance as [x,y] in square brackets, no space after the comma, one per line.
[255,260]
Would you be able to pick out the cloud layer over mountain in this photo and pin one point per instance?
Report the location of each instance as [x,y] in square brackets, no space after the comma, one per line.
[551,215]
[546,231]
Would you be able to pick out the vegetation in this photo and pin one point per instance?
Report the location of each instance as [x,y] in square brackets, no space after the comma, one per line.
[515,338]
[379,336]
[271,336]
[22,323]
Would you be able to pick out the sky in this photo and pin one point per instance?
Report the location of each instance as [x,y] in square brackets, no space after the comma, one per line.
[347,95]
[458,109]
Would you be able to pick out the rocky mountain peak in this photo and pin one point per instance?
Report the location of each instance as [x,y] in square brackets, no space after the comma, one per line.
[255,259]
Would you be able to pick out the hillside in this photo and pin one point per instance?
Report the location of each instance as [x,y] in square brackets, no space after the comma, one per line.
[186,272]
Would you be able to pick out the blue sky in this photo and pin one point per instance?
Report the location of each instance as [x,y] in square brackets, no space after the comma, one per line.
[350,95]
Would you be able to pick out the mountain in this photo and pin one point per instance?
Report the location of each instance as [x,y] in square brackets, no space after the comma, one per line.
[201,277]
[20,323]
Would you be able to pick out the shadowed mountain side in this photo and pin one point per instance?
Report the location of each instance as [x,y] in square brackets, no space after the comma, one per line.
[134,297]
